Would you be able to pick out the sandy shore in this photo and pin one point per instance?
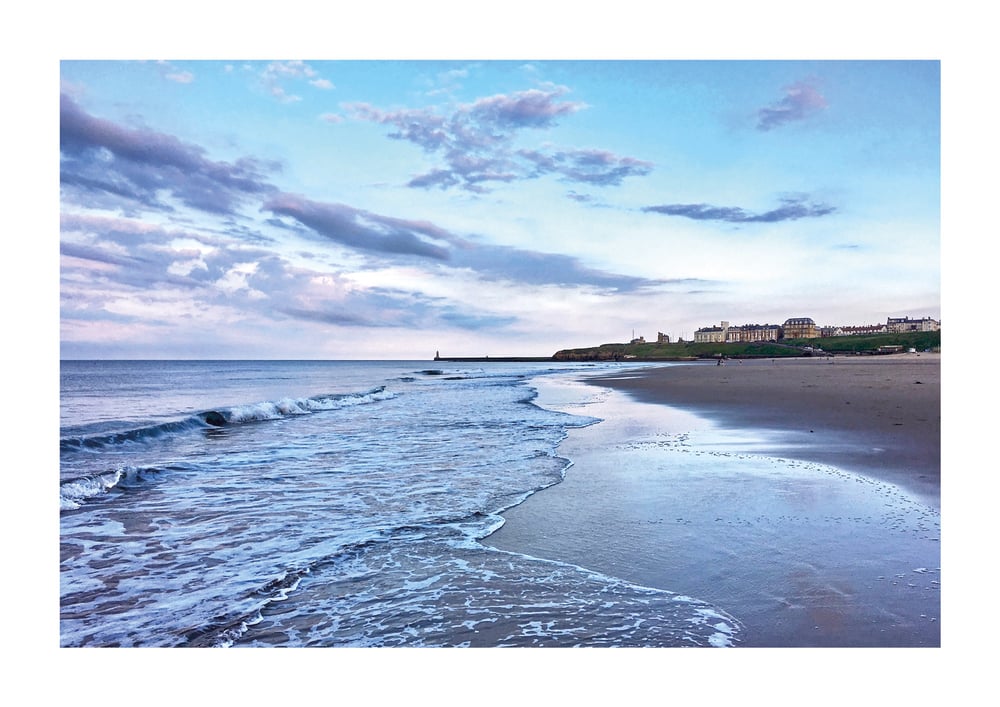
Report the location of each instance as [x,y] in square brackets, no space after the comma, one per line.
[877,415]
[801,496]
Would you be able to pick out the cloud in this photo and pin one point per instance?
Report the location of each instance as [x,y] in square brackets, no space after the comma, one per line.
[172,73]
[447,82]
[146,257]
[180,77]
[389,237]
[101,158]
[117,270]
[442,178]
[792,208]
[392,309]
[801,101]
[519,266]
[104,191]
[214,276]
[476,142]
[597,167]
[277,73]
[130,233]
[475,321]
[532,108]
[331,298]
[419,126]
[337,316]
[362,230]
[97,255]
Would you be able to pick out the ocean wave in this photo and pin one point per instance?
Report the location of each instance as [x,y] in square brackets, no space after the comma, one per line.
[223,417]
[74,492]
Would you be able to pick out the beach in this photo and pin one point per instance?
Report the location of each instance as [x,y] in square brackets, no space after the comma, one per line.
[886,408]
[801,495]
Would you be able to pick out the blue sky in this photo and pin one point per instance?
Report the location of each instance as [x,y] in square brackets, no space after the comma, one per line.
[390,209]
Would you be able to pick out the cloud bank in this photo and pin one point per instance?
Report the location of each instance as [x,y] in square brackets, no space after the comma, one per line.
[138,166]
[102,160]
[390,237]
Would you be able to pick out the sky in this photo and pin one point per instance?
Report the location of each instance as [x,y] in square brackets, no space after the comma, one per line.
[356,209]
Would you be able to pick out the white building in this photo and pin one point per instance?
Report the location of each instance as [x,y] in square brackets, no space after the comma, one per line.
[901,325]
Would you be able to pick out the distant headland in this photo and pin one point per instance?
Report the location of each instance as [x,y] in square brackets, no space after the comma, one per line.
[898,335]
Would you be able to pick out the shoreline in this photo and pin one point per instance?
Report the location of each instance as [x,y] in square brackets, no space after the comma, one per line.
[692,484]
[886,408]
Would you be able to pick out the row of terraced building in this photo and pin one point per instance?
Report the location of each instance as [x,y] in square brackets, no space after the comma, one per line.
[806,328]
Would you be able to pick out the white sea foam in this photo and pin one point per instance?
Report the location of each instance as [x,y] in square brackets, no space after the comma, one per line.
[329,520]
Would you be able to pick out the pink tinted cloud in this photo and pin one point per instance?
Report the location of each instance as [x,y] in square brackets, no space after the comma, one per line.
[802,100]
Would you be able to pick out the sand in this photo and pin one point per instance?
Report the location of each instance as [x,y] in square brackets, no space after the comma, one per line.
[801,496]
[888,408]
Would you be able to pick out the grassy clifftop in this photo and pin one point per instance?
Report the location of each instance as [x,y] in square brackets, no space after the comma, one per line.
[787,347]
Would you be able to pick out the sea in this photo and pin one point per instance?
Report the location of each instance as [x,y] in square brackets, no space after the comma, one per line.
[329,503]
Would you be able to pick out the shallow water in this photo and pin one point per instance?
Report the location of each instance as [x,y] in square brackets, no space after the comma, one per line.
[327,504]
[802,554]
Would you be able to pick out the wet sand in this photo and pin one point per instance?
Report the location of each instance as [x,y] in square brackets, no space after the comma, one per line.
[801,496]
[887,407]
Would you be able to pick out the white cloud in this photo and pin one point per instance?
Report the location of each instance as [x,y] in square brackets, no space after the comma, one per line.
[180,77]
[275,74]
